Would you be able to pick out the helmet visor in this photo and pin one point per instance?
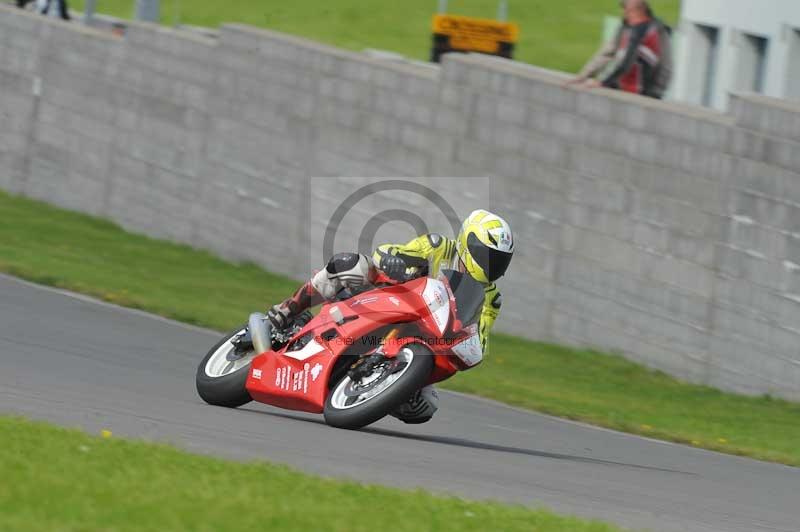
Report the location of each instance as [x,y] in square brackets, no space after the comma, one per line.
[493,262]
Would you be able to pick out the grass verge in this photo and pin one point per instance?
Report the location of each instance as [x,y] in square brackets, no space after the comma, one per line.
[58,479]
[559,35]
[69,250]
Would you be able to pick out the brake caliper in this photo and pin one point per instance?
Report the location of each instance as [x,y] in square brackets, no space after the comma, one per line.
[365,366]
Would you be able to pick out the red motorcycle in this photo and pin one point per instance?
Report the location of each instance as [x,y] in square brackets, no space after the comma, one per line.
[359,358]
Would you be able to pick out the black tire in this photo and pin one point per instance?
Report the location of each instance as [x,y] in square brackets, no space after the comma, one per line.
[381,405]
[227,390]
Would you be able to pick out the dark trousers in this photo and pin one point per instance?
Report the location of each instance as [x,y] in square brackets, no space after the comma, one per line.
[63,9]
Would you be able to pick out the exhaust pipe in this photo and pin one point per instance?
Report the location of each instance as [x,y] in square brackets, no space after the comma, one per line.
[259,328]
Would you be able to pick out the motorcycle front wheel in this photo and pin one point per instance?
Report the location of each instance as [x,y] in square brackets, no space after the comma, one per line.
[222,375]
[353,404]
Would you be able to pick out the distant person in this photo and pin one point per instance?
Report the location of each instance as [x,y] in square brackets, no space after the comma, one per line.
[641,53]
[54,8]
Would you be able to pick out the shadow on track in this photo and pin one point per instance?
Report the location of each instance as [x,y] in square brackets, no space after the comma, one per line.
[469,444]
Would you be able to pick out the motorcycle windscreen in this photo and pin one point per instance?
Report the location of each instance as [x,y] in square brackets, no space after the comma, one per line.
[469,295]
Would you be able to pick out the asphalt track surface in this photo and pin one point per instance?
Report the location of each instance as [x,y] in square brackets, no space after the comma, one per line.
[81,363]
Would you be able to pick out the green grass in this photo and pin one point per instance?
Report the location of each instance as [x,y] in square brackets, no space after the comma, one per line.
[63,480]
[69,250]
[560,35]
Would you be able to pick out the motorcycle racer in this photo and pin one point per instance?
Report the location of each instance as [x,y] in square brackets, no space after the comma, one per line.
[483,249]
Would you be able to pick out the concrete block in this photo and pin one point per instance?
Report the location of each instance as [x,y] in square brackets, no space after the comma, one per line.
[713,134]
[771,116]
[417,138]
[14,83]
[599,219]
[539,118]
[603,194]
[748,299]
[739,264]
[730,367]
[671,124]
[567,125]
[550,95]
[547,150]
[770,212]
[793,249]
[407,161]
[630,116]
[736,325]
[595,106]
[530,199]
[782,153]
[674,214]
[16,114]
[606,250]
[333,113]
[45,179]
[474,155]
[757,240]
[483,131]
[606,137]
[604,164]
[691,248]
[767,180]
[703,194]
[651,237]
[509,138]
[682,274]
[403,107]
[455,96]
[747,144]
[12,172]
[451,122]
[88,105]
[485,106]
[641,294]
[512,112]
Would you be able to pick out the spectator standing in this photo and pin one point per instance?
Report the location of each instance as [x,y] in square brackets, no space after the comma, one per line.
[641,53]
[54,8]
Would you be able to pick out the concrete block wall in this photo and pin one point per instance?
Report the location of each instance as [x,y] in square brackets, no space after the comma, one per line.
[756,319]
[668,233]
[18,67]
[619,203]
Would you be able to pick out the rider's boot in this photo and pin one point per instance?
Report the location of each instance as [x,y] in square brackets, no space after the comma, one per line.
[420,408]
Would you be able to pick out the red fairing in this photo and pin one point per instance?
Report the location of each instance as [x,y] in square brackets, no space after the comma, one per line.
[298,379]
[290,383]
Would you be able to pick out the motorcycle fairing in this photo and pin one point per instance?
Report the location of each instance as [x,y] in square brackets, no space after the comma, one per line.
[297,379]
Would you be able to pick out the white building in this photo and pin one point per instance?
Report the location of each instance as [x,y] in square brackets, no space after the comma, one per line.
[737,46]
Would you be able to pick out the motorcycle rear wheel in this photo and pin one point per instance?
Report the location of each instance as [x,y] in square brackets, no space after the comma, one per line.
[366,410]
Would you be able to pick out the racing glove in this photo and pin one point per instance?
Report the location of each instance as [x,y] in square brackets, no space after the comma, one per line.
[278,315]
[393,266]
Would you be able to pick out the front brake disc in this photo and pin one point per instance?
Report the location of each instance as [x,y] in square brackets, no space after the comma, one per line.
[354,388]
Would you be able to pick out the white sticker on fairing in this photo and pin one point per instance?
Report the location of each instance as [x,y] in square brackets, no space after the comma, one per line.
[470,351]
[438,301]
[309,350]
[257,374]
[315,371]
[298,380]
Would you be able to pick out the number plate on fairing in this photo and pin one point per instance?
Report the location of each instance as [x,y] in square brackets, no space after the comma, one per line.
[470,351]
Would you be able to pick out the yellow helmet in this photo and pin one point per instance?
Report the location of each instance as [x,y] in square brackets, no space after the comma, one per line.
[485,246]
